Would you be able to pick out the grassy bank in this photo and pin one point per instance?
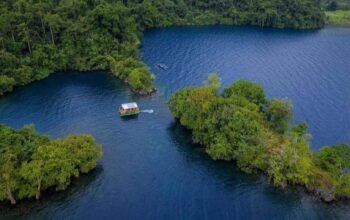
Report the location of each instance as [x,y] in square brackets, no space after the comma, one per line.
[339,17]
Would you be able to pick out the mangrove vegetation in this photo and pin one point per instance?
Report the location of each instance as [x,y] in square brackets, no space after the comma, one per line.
[40,37]
[241,124]
[31,163]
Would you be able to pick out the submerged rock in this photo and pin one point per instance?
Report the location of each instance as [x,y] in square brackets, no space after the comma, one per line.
[326,194]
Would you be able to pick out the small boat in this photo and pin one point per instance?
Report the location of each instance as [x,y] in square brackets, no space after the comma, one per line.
[162,66]
[129,109]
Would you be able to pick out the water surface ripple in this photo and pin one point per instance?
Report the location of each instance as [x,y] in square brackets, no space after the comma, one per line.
[150,168]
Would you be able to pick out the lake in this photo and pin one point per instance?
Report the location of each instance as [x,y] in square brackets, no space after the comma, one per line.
[150,168]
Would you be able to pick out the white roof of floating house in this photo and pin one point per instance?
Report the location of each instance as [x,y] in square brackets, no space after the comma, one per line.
[131,105]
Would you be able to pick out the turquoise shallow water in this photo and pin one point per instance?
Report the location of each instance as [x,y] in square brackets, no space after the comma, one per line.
[150,168]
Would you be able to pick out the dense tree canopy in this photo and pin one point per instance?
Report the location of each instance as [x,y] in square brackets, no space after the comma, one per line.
[40,37]
[31,163]
[241,124]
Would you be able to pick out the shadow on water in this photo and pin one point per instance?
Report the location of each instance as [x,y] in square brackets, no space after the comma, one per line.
[129,118]
[51,198]
[228,173]
[194,153]
[256,186]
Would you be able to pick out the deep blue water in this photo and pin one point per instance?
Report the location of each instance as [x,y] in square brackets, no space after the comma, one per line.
[150,168]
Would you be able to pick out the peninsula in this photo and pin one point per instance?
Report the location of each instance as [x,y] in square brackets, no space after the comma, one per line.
[38,38]
[242,125]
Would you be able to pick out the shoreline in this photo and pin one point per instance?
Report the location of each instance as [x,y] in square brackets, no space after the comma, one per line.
[337,26]
[154,90]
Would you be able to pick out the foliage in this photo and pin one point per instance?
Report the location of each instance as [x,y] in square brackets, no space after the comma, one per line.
[252,92]
[344,185]
[241,124]
[139,79]
[278,113]
[31,163]
[6,84]
[340,17]
[332,5]
[334,159]
[41,37]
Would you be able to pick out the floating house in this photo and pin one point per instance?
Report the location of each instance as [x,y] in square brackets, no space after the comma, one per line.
[128,109]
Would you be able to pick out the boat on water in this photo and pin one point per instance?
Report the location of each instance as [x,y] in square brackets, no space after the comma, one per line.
[162,66]
[129,109]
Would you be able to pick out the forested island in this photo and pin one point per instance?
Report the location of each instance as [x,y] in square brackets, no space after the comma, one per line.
[38,38]
[242,125]
[31,163]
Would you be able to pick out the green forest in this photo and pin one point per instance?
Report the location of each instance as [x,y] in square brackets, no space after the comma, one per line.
[241,124]
[31,163]
[40,37]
